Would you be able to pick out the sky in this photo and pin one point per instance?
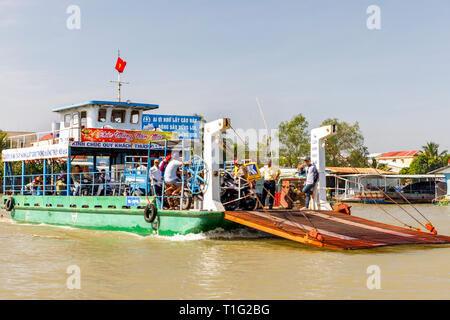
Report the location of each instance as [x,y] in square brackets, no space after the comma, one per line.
[215,57]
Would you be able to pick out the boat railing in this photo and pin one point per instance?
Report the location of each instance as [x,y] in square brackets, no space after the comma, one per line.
[129,182]
[43,138]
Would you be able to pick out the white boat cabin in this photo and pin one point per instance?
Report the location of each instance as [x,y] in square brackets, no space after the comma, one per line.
[99,114]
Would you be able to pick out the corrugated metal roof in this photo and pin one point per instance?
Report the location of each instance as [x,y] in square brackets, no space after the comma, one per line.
[400,176]
[441,170]
[399,154]
[347,170]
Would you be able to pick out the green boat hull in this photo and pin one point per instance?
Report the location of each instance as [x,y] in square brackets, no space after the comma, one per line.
[113,214]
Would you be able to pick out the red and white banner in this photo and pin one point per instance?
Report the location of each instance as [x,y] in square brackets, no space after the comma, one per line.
[124,136]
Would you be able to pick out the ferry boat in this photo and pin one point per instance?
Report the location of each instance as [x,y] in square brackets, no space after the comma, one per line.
[93,171]
[43,183]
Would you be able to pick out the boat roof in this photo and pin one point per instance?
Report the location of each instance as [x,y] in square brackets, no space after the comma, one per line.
[135,105]
[397,176]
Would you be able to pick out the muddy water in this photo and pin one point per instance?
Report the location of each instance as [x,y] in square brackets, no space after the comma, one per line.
[217,265]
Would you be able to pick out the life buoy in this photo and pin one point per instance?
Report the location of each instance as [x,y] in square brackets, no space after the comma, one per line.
[150,213]
[9,204]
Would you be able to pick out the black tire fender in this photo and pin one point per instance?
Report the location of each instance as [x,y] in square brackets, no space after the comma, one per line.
[150,213]
[9,204]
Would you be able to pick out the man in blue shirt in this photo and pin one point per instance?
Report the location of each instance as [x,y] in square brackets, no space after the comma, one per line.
[312,175]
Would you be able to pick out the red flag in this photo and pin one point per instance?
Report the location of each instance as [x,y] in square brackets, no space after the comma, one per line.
[120,65]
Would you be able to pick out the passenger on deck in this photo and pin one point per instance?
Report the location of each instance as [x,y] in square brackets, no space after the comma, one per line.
[172,181]
[37,186]
[241,173]
[164,164]
[76,178]
[312,175]
[141,168]
[100,182]
[156,176]
[61,187]
[270,175]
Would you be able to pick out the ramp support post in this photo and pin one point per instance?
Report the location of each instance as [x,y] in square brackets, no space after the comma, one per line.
[211,157]
[318,136]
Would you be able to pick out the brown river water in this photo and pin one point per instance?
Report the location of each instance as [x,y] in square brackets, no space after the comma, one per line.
[219,265]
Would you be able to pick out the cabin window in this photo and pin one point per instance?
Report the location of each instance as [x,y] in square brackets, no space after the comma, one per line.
[67,119]
[134,116]
[76,119]
[102,115]
[118,116]
[83,117]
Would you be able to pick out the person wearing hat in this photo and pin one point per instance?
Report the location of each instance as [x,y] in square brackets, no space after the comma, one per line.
[164,164]
[241,173]
[312,175]
[156,177]
[61,184]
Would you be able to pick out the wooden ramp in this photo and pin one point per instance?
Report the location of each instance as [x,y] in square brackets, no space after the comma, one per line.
[337,230]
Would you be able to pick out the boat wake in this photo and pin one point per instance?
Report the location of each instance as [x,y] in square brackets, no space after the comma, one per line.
[218,234]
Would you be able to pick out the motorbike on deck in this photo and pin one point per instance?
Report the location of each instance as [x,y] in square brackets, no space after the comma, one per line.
[235,196]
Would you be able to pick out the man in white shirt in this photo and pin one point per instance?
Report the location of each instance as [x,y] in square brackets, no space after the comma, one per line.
[156,177]
[172,181]
[270,175]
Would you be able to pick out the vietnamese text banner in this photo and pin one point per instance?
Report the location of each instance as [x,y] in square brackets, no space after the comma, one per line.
[115,145]
[34,153]
[124,136]
[187,127]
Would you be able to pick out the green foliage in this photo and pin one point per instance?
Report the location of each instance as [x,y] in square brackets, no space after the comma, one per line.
[431,159]
[383,166]
[431,149]
[294,141]
[3,145]
[358,157]
[348,141]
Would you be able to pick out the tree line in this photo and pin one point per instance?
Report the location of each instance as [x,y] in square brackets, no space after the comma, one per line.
[347,148]
[344,149]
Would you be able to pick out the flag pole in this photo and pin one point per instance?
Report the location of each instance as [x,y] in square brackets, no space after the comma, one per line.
[119,83]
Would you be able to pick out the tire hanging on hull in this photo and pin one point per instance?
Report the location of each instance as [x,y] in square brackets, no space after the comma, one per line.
[9,204]
[150,213]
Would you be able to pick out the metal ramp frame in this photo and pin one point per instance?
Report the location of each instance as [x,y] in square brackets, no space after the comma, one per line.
[337,230]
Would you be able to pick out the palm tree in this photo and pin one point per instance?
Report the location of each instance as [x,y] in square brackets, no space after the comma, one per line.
[431,149]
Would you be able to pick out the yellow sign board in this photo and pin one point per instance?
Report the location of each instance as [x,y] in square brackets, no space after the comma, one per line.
[253,171]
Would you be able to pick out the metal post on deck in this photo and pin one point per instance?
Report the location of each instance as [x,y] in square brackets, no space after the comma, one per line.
[44,178]
[163,190]
[4,177]
[182,175]
[13,182]
[94,163]
[23,177]
[148,169]
[68,172]
[110,167]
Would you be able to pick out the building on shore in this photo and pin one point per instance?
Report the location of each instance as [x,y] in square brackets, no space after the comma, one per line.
[446,172]
[397,160]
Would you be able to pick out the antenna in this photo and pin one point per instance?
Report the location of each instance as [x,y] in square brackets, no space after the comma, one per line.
[267,128]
